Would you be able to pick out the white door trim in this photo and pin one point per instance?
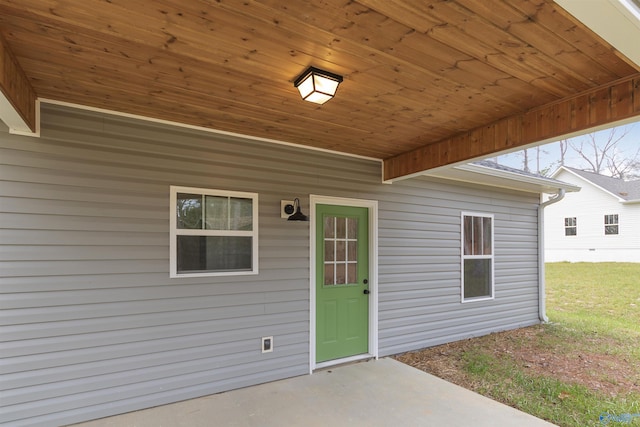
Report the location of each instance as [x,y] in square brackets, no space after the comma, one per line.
[372,206]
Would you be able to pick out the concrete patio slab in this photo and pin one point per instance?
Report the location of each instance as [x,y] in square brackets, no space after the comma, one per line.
[384,392]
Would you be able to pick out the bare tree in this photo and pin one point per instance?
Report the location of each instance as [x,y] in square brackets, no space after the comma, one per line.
[600,152]
[525,159]
[604,154]
[563,143]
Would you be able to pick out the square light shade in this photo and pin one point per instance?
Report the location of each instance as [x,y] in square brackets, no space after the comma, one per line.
[317,86]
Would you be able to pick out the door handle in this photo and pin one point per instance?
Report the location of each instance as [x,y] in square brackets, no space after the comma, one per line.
[366,292]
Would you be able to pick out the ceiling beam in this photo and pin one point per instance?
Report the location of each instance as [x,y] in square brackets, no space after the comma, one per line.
[596,107]
[17,96]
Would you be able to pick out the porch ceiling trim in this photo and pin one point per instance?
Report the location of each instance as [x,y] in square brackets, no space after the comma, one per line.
[18,107]
[606,104]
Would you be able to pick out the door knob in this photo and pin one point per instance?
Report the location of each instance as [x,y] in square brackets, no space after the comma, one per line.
[366,292]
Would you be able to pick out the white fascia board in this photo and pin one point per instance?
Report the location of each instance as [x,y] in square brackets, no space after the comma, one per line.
[616,21]
[544,184]
[604,190]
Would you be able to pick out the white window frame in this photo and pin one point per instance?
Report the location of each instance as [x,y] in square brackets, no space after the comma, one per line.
[174,231]
[464,257]
[616,224]
[574,226]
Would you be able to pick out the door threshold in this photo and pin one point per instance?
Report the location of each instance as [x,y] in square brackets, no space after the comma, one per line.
[343,361]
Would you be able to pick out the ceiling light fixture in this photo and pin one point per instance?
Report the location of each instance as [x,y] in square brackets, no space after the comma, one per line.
[317,85]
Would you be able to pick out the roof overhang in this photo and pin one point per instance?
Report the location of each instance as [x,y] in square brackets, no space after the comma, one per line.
[616,21]
[426,84]
[593,184]
[511,180]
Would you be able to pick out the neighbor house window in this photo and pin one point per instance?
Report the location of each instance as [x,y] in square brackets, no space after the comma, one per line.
[477,256]
[570,226]
[611,224]
[213,232]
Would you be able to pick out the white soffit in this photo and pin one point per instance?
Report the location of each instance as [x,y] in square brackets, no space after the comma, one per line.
[616,21]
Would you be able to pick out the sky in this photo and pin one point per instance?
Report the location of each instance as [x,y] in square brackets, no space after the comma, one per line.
[628,148]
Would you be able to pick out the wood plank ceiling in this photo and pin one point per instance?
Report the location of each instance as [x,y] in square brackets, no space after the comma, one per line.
[425,82]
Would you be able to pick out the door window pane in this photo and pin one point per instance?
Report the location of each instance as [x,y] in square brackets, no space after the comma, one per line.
[341,273]
[352,273]
[329,275]
[352,251]
[329,227]
[352,228]
[341,228]
[340,250]
[329,250]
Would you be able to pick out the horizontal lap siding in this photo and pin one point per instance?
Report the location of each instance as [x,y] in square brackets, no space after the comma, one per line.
[91,323]
[589,206]
[420,266]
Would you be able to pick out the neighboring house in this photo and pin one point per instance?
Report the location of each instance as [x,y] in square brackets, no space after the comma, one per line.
[601,223]
[145,263]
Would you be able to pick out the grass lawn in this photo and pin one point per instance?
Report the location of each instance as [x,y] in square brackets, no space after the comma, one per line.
[581,369]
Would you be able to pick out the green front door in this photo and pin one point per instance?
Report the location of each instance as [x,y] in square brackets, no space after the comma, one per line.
[342,277]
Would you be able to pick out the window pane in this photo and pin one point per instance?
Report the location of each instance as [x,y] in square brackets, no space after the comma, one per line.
[198,254]
[241,214]
[217,213]
[189,211]
[352,273]
[329,227]
[341,254]
[570,231]
[352,251]
[468,235]
[477,278]
[611,229]
[329,254]
[477,235]
[341,228]
[329,278]
[486,236]
[341,273]
[352,228]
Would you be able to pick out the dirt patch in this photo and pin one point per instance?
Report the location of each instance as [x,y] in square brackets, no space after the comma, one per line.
[610,374]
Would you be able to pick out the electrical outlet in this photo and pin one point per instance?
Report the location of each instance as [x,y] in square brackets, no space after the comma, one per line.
[286,206]
[267,344]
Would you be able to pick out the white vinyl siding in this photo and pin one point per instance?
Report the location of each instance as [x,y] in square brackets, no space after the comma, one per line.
[93,324]
[213,232]
[591,206]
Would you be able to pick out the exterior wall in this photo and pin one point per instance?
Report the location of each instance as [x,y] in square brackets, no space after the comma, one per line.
[589,206]
[93,326]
